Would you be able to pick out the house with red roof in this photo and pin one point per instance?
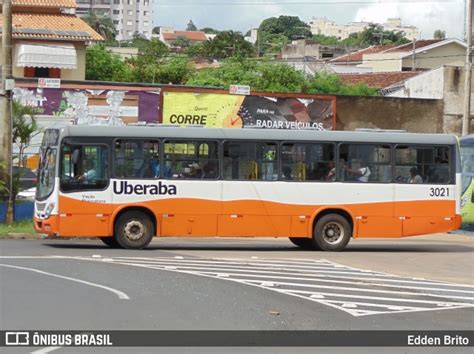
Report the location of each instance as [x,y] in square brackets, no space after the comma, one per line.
[168,36]
[49,40]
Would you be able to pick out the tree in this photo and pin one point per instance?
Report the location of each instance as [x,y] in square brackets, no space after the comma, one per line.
[102,25]
[228,44]
[103,65]
[195,50]
[328,83]
[375,35]
[156,30]
[191,26]
[209,30]
[439,34]
[181,42]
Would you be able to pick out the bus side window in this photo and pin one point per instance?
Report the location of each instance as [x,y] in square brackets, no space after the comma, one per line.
[365,163]
[136,158]
[422,164]
[191,159]
[308,162]
[250,161]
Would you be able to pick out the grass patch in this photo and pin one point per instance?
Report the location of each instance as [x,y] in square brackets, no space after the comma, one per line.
[18,227]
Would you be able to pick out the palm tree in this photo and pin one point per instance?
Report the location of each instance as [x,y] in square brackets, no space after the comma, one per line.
[102,25]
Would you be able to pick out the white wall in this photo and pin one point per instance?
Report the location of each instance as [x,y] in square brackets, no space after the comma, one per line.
[426,85]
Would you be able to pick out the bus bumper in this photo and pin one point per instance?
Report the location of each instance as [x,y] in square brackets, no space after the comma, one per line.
[49,226]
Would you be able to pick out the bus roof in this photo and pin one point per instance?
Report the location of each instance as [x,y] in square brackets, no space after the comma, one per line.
[256,134]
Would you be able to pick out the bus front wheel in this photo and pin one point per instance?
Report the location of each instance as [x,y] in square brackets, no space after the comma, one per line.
[331,233]
[133,230]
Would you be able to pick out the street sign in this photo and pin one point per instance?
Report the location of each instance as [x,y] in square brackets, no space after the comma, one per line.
[49,83]
[239,90]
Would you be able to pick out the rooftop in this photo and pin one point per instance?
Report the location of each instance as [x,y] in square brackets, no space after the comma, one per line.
[44,3]
[358,56]
[196,36]
[380,79]
[52,27]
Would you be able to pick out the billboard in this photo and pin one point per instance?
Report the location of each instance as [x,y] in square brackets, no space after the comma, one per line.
[221,110]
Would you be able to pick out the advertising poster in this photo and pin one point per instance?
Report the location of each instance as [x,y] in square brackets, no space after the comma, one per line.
[235,111]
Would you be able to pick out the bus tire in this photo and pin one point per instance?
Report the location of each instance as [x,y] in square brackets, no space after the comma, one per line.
[110,241]
[302,242]
[133,230]
[331,233]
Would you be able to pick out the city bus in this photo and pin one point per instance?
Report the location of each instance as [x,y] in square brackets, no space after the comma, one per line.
[467,196]
[126,185]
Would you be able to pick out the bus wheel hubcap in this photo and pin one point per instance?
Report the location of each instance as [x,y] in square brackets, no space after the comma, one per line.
[134,230]
[333,232]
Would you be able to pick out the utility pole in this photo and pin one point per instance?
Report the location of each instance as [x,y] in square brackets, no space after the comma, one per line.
[468,67]
[413,65]
[5,107]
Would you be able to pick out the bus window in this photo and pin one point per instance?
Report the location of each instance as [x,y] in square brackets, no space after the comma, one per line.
[191,159]
[422,164]
[250,161]
[136,159]
[308,162]
[84,167]
[365,163]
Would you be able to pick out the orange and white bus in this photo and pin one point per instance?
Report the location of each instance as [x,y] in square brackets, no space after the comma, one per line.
[319,189]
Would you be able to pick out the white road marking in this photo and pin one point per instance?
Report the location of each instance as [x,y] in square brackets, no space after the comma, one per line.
[438,297]
[308,277]
[121,295]
[45,350]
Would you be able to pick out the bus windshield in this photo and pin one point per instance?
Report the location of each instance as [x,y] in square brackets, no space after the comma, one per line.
[46,172]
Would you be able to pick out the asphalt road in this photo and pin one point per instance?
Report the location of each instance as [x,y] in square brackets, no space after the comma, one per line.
[411,284]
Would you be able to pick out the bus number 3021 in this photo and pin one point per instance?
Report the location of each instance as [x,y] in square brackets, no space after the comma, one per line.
[439,192]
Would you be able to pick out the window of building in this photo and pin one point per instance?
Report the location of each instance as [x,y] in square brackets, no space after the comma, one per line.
[53,73]
[145,23]
[84,167]
[129,2]
[129,23]
[250,161]
[365,163]
[136,159]
[145,13]
[130,13]
[116,2]
[191,159]
[308,162]
[422,164]
[116,22]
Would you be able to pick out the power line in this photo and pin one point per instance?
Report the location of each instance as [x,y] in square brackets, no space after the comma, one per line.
[298,2]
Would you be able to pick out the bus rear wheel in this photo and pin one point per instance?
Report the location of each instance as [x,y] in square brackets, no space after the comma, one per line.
[133,230]
[302,242]
[332,233]
[110,241]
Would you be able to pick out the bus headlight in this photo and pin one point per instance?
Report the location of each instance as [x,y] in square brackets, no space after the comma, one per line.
[463,201]
[49,210]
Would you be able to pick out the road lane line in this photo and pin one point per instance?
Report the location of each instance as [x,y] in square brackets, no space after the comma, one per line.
[45,350]
[121,295]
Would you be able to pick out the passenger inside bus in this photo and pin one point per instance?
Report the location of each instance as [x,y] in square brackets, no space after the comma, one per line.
[415,178]
[362,174]
[331,175]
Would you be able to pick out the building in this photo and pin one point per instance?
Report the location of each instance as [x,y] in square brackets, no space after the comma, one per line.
[49,40]
[321,25]
[424,54]
[168,35]
[307,55]
[379,81]
[444,83]
[253,36]
[129,16]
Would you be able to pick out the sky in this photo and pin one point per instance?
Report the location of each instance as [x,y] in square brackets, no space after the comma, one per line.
[242,15]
